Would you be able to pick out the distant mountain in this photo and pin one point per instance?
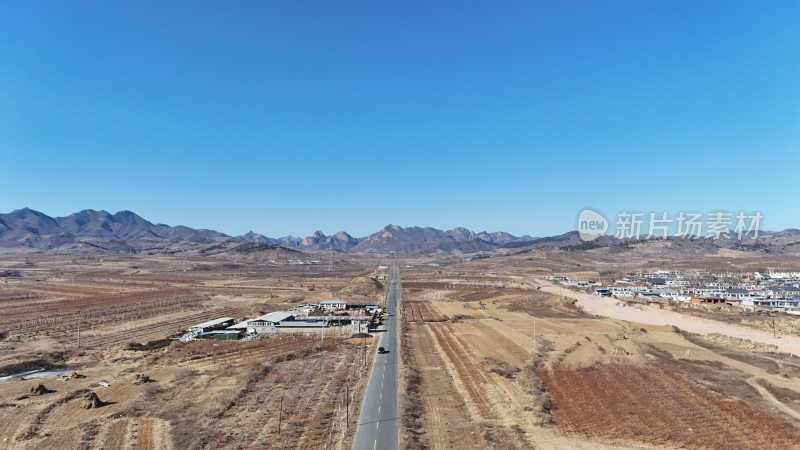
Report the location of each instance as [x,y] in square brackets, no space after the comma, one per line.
[318,241]
[123,231]
[502,238]
[287,241]
[562,240]
[26,226]
[339,241]
[785,242]
[257,238]
[393,238]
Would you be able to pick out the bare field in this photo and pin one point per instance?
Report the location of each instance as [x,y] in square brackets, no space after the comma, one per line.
[83,313]
[656,405]
[491,358]
[513,366]
[421,311]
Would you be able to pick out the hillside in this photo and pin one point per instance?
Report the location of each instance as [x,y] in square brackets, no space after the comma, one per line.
[125,231]
[120,232]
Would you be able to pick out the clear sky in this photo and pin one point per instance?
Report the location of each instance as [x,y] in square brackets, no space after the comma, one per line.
[285,117]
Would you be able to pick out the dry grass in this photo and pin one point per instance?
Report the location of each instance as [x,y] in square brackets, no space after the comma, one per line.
[656,405]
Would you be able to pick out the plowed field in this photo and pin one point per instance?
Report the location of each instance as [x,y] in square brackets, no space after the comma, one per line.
[654,404]
[421,311]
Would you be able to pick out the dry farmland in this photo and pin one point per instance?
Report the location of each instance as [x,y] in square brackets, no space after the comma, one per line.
[83,315]
[475,377]
[658,405]
[490,359]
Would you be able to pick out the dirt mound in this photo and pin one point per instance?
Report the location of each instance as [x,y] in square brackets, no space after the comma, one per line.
[142,379]
[502,368]
[151,345]
[91,400]
[362,286]
[73,376]
[39,389]
[620,351]
[744,344]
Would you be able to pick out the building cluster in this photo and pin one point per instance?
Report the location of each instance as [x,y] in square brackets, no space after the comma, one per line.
[294,262]
[754,291]
[302,318]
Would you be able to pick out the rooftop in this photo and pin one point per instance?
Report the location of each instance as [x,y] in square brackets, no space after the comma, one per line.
[275,316]
[212,323]
[302,324]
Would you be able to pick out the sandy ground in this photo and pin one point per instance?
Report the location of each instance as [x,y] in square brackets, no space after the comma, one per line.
[615,309]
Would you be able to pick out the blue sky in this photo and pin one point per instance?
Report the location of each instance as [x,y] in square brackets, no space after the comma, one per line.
[289,116]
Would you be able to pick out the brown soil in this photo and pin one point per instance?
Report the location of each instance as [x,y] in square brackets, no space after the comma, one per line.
[421,311]
[655,404]
[163,393]
[362,287]
[476,369]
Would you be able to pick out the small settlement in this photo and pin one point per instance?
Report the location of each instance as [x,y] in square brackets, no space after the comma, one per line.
[337,316]
[753,291]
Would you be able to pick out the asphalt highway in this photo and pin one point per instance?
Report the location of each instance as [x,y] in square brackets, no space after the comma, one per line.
[378,421]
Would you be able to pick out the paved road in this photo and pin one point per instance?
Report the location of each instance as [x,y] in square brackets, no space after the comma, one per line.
[377,423]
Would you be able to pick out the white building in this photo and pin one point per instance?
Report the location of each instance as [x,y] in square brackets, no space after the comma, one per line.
[333,305]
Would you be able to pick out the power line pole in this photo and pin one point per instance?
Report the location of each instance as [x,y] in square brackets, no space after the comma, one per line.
[79,331]
[280,417]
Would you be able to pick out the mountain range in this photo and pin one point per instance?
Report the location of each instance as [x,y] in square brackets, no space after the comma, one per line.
[125,231]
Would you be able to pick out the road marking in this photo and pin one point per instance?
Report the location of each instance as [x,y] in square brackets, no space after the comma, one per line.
[379,408]
[375,445]
[377,425]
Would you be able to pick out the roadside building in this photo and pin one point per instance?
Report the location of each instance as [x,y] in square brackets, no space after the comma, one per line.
[772,304]
[216,324]
[708,301]
[268,322]
[302,324]
[226,335]
[333,305]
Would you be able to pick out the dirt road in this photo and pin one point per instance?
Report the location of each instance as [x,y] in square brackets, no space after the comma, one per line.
[615,309]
